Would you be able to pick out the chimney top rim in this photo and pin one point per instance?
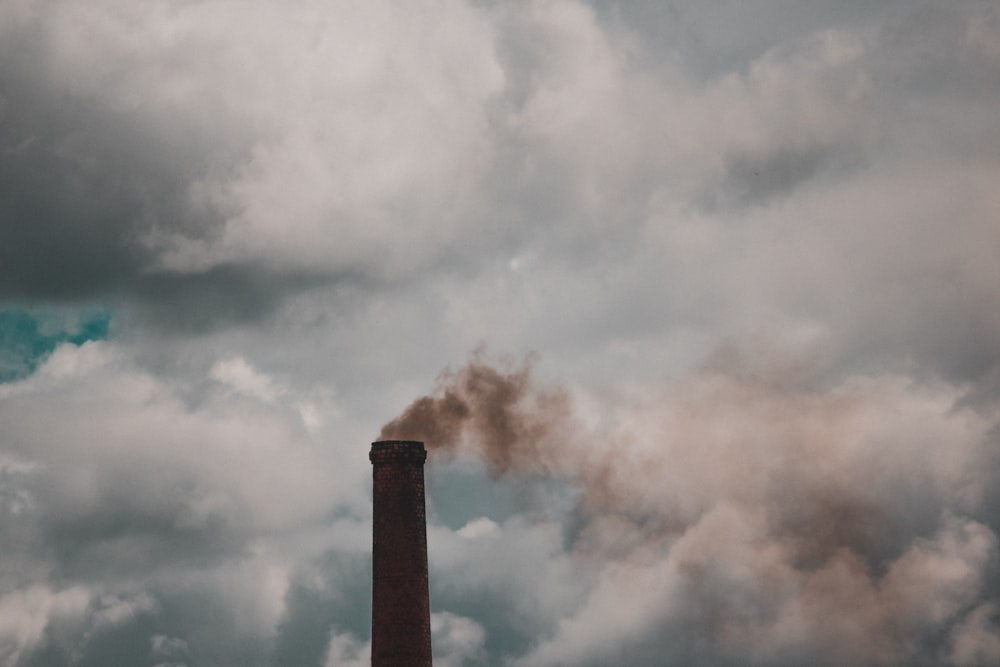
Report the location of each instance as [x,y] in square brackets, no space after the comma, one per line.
[397,451]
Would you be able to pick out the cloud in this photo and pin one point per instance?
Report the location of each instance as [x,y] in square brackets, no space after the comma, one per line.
[457,640]
[134,488]
[165,148]
[754,249]
[25,614]
[347,651]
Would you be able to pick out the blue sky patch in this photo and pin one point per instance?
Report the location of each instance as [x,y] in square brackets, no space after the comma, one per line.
[27,337]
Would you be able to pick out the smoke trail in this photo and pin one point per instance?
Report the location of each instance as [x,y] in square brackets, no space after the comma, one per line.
[748,515]
[504,416]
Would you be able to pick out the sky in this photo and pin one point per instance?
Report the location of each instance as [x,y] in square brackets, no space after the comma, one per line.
[717,284]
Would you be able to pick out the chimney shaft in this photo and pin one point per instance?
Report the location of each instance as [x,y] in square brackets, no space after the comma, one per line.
[401,616]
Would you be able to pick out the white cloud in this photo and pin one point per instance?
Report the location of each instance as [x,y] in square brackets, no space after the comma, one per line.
[457,640]
[25,614]
[211,498]
[368,133]
[478,528]
[346,650]
[241,377]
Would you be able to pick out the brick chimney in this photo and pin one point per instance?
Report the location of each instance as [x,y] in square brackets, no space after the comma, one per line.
[401,616]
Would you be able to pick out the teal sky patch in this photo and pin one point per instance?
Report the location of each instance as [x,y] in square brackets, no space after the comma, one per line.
[28,337]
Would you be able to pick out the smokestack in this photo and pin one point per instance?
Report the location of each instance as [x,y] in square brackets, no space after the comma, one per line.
[401,615]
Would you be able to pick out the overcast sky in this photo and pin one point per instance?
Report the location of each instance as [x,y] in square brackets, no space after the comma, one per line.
[741,259]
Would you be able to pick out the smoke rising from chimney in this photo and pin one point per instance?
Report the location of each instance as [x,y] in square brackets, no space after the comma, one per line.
[507,419]
[760,509]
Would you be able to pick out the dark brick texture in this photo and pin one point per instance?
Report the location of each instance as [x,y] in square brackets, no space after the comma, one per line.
[401,616]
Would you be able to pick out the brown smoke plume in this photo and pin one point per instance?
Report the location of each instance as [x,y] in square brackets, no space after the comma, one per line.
[792,522]
[498,412]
